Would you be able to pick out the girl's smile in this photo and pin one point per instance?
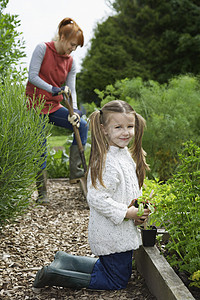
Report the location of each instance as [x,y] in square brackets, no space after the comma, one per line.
[120,129]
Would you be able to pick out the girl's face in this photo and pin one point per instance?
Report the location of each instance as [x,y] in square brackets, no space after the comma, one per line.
[119,129]
[67,46]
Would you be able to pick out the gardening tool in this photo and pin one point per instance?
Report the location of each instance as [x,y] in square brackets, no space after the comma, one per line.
[75,129]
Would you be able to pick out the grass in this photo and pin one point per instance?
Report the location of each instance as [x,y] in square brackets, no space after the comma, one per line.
[56,141]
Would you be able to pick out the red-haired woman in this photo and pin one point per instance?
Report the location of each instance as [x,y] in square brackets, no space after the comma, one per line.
[52,71]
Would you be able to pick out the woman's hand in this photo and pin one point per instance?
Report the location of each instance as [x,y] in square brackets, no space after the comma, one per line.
[132,214]
[58,91]
[74,119]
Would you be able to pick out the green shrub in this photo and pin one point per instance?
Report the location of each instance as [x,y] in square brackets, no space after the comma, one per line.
[20,148]
[179,211]
[172,113]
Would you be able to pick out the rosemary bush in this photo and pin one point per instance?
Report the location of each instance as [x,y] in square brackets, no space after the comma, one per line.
[21,145]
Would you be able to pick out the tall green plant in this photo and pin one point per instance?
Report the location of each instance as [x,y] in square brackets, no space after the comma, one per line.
[21,145]
[180,213]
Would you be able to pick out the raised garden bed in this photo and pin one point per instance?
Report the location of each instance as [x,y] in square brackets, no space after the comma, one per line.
[160,278]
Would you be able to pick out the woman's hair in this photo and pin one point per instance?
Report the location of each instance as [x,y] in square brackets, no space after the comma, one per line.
[70,29]
[100,145]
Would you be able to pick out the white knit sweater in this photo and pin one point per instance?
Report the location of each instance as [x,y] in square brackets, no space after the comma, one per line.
[108,232]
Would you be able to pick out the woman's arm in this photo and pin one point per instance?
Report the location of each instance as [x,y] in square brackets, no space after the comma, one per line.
[71,83]
[34,68]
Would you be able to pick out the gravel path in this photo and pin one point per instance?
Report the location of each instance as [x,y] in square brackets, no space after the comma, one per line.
[34,238]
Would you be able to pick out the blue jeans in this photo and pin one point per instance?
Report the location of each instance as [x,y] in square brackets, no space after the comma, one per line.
[60,118]
[112,272]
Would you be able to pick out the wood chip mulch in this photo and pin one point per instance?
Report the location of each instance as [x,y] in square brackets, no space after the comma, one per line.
[32,241]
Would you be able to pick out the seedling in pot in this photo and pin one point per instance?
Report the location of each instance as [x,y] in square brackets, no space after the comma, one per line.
[142,204]
[145,204]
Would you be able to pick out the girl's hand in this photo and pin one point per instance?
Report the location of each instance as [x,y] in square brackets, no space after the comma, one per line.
[132,214]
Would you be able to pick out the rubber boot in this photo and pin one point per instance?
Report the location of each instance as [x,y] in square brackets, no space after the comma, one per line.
[83,185]
[41,183]
[67,271]
[76,172]
[49,276]
[65,261]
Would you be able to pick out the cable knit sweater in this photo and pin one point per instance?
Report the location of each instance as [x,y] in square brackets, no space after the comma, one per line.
[108,232]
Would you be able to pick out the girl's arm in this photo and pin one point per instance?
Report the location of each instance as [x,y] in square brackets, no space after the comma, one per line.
[34,68]
[104,204]
[103,200]
[132,214]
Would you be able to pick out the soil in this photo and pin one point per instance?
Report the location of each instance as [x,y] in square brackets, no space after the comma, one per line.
[32,241]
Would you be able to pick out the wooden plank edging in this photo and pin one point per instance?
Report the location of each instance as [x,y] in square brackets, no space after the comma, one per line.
[159,276]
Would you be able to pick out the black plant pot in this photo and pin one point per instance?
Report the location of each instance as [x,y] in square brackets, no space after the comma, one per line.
[149,236]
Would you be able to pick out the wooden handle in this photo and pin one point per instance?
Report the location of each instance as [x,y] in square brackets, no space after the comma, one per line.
[76,131]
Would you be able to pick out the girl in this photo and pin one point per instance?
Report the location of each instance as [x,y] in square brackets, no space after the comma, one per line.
[115,178]
[53,71]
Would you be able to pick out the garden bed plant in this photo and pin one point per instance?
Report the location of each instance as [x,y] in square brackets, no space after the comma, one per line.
[179,213]
[148,231]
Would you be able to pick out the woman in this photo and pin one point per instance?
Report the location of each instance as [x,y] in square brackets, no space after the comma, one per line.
[53,72]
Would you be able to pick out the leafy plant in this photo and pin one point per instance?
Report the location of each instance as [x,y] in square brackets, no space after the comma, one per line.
[171,112]
[58,160]
[21,146]
[58,164]
[195,279]
[11,42]
[139,40]
[179,211]
[143,203]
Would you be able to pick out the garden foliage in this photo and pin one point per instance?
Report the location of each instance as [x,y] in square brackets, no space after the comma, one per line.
[151,39]
[172,113]
[12,44]
[58,160]
[179,211]
[21,146]
[57,163]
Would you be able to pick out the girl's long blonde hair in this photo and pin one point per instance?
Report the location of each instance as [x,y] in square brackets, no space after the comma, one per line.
[100,146]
